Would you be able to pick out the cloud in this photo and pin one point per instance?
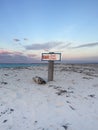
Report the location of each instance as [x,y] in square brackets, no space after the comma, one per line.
[25,39]
[32,55]
[4,52]
[21,57]
[39,46]
[47,45]
[16,40]
[93,59]
[16,57]
[87,45]
[64,45]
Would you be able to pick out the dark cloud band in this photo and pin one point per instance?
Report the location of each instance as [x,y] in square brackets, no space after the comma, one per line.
[47,45]
[87,45]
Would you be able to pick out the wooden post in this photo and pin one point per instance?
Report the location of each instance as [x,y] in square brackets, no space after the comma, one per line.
[51,57]
[50,70]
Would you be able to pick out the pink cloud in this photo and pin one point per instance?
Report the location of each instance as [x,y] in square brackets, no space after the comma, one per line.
[16,57]
[5,52]
[10,52]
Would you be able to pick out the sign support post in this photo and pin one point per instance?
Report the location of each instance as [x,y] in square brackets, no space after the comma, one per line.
[50,70]
[51,57]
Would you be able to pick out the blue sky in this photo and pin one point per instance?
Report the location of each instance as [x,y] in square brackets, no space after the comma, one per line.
[29,27]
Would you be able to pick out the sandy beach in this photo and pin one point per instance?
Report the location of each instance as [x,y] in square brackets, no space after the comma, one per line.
[69,102]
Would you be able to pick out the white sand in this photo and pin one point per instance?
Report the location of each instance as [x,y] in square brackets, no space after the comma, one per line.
[70,102]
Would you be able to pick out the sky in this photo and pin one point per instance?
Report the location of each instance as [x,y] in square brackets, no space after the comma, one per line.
[29,28]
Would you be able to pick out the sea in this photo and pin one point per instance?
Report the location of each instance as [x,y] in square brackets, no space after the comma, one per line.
[24,65]
[18,65]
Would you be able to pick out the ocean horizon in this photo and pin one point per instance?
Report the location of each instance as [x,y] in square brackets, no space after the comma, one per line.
[20,65]
[16,65]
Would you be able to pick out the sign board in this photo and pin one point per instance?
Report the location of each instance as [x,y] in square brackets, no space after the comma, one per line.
[51,56]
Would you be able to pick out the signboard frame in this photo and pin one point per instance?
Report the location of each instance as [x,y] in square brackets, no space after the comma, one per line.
[51,56]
